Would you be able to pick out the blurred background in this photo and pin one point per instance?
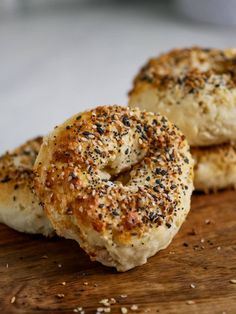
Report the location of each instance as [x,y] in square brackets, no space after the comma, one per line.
[58,57]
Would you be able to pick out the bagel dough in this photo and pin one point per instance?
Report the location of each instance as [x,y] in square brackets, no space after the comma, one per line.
[116,180]
[215,167]
[19,206]
[195,88]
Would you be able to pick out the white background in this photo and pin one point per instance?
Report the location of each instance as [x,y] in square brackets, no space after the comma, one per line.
[55,62]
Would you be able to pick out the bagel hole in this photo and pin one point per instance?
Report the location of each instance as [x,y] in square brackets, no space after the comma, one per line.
[122,177]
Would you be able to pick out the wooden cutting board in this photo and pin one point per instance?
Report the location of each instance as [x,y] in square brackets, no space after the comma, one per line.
[193,275]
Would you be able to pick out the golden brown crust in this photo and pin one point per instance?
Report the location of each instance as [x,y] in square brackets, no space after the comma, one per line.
[190,67]
[19,206]
[114,171]
[214,167]
[16,167]
[195,88]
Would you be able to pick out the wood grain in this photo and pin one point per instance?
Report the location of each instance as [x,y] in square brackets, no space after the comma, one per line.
[160,286]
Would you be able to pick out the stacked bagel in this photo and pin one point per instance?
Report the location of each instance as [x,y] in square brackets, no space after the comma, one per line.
[196,89]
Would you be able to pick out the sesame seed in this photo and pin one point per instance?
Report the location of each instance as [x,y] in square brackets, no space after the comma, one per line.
[233,281]
[124,310]
[134,307]
[190,302]
[192,285]
[13,299]
[60,295]
[105,302]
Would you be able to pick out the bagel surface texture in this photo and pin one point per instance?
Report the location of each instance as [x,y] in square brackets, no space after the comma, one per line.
[195,88]
[214,167]
[116,180]
[20,209]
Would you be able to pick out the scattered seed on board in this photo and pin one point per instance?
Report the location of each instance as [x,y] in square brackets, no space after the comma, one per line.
[124,310]
[192,285]
[105,302]
[78,309]
[60,295]
[190,302]
[134,307]
[233,281]
[13,299]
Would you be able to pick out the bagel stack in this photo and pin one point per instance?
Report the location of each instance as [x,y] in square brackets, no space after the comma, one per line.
[196,89]
[116,180]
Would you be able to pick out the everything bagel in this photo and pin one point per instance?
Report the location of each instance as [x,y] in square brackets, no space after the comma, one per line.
[116,180]
[195,88]
[20,209]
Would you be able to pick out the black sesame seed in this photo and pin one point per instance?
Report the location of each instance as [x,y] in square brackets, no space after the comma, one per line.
[5,179]
[163,172]
[78,118]
[100,216]
[101,205]
[87,134]
[186,160]
[97,151]
[148,178]
[99,128]
[163,120]
[152,216]
[26,152]
[155,188]
[125,121]
[139,128]
[126,151]
[168,225]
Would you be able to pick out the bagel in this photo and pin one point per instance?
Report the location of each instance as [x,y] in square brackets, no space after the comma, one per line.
[195,88]
[215,167]
[19,206]
[116,180]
